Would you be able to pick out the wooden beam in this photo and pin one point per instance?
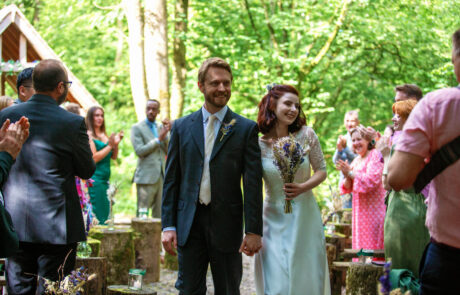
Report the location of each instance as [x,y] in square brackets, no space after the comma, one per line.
[6,22]
[3,84]
[22,49]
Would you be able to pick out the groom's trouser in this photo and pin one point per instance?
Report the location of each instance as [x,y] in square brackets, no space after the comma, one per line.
[198,252]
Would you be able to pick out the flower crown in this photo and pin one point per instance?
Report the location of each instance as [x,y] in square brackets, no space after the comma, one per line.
[271,86]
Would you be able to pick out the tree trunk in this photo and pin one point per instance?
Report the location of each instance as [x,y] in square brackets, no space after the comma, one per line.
[118,247]
[156,53]
[98,266]
[147,247]
[179,70]
[136,55]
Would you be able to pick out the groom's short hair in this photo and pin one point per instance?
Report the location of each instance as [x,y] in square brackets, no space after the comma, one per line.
[216,62]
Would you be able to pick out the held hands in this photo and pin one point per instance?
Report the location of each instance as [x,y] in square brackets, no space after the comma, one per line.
[166,128]
[169,240]
[13,136]
[251,245]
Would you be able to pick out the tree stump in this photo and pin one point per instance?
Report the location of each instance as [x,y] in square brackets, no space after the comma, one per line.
[95,246]
[98,266]
[343,228]
[118,246]
[363,278]
[147,247]
[124,290]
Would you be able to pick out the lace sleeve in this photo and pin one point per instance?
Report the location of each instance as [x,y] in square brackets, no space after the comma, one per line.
[315,154]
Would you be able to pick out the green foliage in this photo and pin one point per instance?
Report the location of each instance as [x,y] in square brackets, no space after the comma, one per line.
[378,45]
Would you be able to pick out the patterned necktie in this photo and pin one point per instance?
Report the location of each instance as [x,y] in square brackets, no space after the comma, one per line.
[205,187]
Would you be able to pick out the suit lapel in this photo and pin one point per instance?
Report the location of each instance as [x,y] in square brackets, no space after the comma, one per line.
[220,140]
[146,130]
[196,127]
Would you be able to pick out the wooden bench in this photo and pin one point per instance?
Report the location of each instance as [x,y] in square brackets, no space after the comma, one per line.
[348,254]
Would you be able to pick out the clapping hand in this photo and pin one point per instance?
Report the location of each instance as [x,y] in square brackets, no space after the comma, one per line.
[13,136]
[343,166]
[166,128]
[115,139]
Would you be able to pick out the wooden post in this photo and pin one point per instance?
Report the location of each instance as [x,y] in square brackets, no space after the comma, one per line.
[22,49]
[98,266]
[147,247]
[118,246]
[124,290]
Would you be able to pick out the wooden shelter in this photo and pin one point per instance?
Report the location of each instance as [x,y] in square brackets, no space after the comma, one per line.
[21,46]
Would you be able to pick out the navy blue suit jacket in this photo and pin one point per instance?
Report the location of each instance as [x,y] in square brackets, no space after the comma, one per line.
[40,193]
[234,158]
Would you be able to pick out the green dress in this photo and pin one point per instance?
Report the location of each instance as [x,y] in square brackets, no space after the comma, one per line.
[405,233]
[98,191]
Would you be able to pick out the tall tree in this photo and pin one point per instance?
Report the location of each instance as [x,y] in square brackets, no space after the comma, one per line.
[136,55]
[156,52]
[179,70]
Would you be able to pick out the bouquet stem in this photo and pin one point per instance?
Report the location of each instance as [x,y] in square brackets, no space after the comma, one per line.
[287,207]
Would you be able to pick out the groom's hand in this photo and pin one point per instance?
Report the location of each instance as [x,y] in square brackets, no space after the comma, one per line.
[169,241]
[252,243]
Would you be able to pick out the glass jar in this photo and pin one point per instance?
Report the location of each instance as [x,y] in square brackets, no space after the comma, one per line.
[84,250]
[136,277]
[143,213]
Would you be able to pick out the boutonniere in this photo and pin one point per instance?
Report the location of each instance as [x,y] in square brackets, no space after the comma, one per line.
[227,128]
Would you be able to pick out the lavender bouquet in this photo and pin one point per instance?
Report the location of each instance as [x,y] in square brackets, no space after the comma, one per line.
[288,155]
[72,284]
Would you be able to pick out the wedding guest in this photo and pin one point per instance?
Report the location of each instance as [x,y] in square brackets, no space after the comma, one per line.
[5,101]
[212,153]
[40,191]
[405,233]
[103,148]
[364,178]
[150,141]
[24,85]
[344,150]
[12,137]
[432,125]
[293,243]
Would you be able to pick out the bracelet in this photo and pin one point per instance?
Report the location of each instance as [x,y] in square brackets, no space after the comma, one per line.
[350,174]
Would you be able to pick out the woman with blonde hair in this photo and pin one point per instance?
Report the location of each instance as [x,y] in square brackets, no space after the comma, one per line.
[405,233]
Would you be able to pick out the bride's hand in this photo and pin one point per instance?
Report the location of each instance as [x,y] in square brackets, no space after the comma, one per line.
[292,190]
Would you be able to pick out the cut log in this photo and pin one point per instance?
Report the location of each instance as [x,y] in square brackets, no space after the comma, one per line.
[147,246]
[117,246]
[98,266]
[124,290]
[363,278]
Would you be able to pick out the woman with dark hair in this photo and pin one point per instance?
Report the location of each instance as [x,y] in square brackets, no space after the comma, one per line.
[293,258]
[405,233]
[363,178]
[104,148]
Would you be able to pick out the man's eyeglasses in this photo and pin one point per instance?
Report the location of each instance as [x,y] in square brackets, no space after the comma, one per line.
[69,83]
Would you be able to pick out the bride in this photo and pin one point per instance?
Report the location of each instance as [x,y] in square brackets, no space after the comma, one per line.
[293,258]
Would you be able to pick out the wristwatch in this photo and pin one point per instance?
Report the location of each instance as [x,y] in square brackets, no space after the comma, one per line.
[350,174]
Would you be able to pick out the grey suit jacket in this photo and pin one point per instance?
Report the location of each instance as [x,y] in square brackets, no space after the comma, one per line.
[40,193]
[151,154]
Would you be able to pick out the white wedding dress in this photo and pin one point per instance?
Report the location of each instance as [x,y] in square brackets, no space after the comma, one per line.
[293,258]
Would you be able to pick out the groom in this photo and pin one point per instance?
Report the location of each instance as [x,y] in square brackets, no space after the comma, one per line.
[210,152]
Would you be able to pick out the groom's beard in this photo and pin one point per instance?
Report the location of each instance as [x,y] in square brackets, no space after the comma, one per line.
[217,99]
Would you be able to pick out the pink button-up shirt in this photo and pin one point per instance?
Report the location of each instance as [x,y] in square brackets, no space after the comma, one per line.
[435,121]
